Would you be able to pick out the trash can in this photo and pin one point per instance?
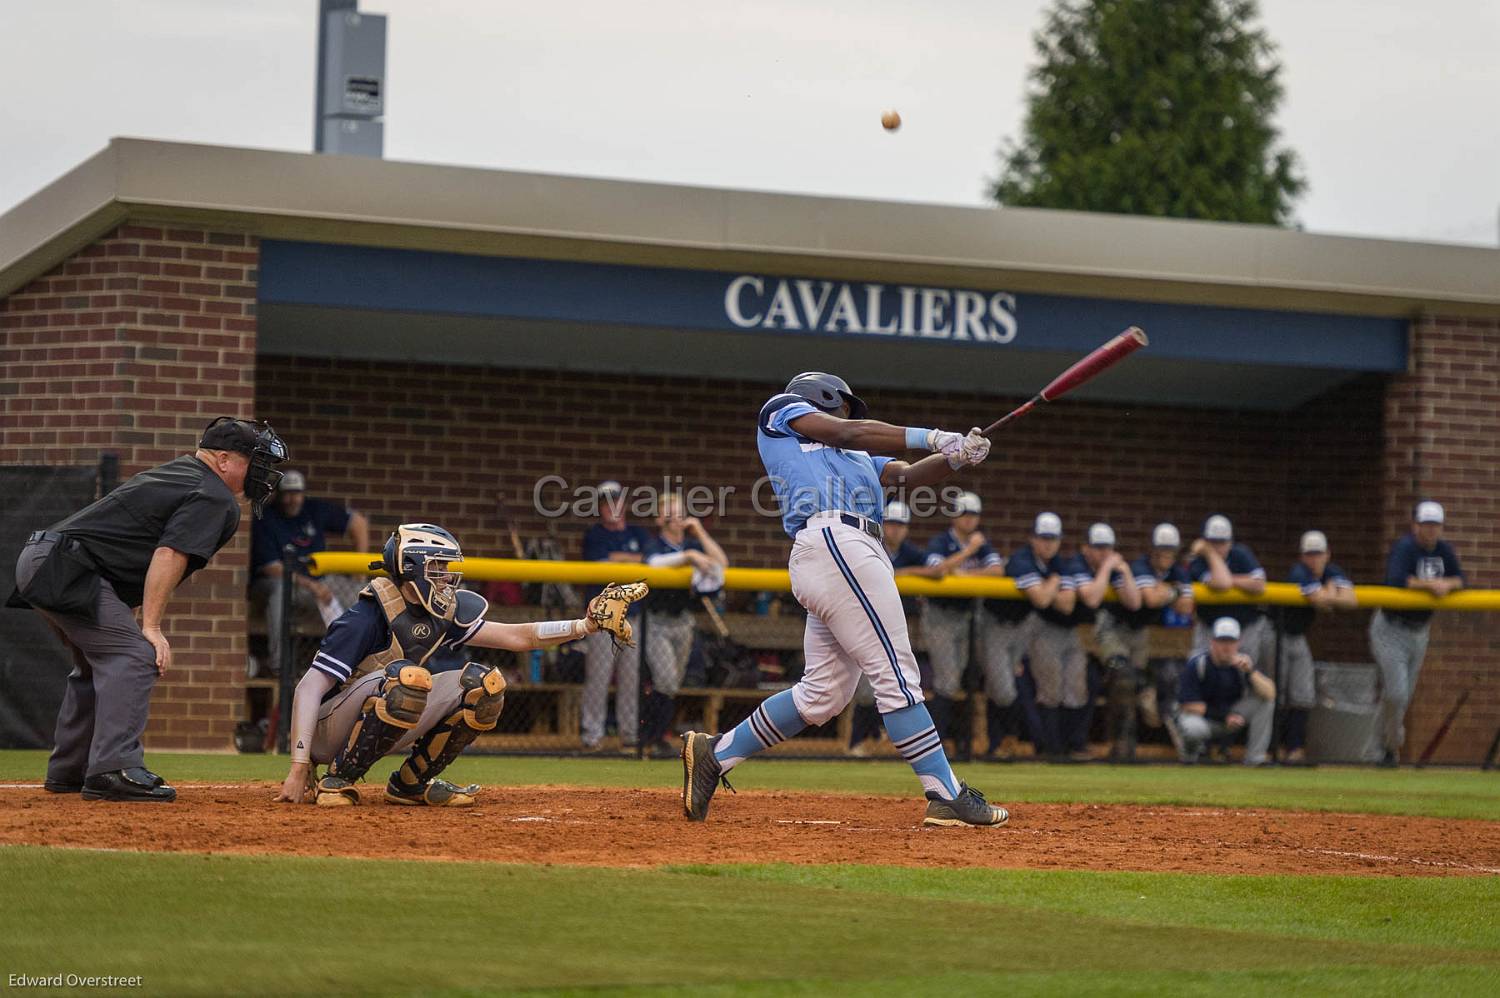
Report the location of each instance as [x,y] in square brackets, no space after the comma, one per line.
[1345,723]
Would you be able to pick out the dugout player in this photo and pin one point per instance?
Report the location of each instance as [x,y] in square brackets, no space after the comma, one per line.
[1222,694]
[906,559]
[130,549]
[1222,564]
[1124,639]
[669,628]
[1106,569]
[814,439]
[369,692]
[1398,638]
[1326,587]
[1058,665]
[613,538]
[303,523]
[948,622]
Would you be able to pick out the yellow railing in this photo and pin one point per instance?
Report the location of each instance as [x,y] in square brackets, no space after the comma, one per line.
[776,580]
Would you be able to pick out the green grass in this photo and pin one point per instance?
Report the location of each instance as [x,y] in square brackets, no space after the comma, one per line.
[195,924]
[1445,793]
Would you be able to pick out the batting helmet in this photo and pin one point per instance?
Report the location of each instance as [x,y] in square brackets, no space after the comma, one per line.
[827,392]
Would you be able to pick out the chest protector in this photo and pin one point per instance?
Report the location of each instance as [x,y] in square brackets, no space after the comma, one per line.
[415,633]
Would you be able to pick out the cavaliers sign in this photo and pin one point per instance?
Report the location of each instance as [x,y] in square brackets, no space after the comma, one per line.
[752,302]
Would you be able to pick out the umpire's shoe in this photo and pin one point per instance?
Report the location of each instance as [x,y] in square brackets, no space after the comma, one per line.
[134,784]
[700,774]
[968,808]
[434,793]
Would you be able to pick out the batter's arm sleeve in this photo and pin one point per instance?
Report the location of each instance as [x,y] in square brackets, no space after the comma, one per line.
[314,686]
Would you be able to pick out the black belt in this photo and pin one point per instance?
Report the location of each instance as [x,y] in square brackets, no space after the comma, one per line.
[37,536]
[860,523]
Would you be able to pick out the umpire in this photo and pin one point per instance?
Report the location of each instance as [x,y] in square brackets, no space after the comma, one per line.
[131,549]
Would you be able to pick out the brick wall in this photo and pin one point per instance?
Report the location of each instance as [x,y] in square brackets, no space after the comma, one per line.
[132,347]
[1444,444]
[409,441]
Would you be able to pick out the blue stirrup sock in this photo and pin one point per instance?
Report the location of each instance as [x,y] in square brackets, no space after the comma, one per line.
[774,721]
[915,737]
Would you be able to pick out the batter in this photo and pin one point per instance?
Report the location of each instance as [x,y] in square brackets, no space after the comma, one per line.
[814,440]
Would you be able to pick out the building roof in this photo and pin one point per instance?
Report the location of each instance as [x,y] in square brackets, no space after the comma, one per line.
[499,212]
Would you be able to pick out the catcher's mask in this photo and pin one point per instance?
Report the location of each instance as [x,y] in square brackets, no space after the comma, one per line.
[417,558]
[260,444]
[827,392]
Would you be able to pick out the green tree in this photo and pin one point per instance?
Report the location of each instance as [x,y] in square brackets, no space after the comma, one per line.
[1153,107]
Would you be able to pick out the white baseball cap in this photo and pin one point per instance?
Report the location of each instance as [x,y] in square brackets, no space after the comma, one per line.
[967,502]
[896,512]
[1429,512]
[1218,528]
[1226,629]
[610,487]
[1314,542]
[1101,535]
[292,481]
[1047,525]
[1165,536]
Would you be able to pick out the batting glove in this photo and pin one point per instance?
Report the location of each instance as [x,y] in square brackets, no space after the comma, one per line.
[975,447]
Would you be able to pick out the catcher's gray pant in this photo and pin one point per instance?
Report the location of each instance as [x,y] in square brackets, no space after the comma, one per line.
[1297,672]
[1116,640]
[1257,639]
[1398,651]
[336,717]
[1060,666]
[603,662]
[1259,716]
[947,632]
[1001,647]
[669,643]
[108,695]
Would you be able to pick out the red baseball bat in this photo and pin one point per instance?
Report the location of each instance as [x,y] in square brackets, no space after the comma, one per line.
[1105,356]
[1442,731]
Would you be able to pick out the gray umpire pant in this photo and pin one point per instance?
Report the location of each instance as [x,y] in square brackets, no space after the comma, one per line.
[1259,717]
[947,633]
[602,662]
[108,696]
[336,718]
[1297,672]
[1060,666]
[1001,647]
[1398,651]
[669,644]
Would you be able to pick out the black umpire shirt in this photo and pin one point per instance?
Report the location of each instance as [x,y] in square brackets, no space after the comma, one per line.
[182,505]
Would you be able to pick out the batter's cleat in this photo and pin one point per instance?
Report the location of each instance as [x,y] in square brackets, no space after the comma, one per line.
[701,774]
[335,791]
[968,808]
[436,793]
[137,784]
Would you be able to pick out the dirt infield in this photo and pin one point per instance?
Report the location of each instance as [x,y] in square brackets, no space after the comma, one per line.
[614,827]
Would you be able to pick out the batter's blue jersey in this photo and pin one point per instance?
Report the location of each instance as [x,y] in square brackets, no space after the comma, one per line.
[809,477]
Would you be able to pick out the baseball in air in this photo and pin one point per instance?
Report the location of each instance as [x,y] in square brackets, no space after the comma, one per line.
[890,120]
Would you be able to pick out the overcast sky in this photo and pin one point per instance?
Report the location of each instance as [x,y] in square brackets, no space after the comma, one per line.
[1394,111]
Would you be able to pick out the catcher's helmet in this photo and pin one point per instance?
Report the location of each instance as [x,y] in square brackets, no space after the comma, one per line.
[416,557]
[827,392]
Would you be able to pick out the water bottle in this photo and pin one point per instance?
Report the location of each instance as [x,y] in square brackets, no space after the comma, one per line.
[762,603]
[536,665]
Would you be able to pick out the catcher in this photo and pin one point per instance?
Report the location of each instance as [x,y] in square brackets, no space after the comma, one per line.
[367,692]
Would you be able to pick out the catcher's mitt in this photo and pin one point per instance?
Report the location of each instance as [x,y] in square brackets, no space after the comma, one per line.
[608,609]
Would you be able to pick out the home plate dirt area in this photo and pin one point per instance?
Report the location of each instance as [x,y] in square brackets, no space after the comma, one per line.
[644,827]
